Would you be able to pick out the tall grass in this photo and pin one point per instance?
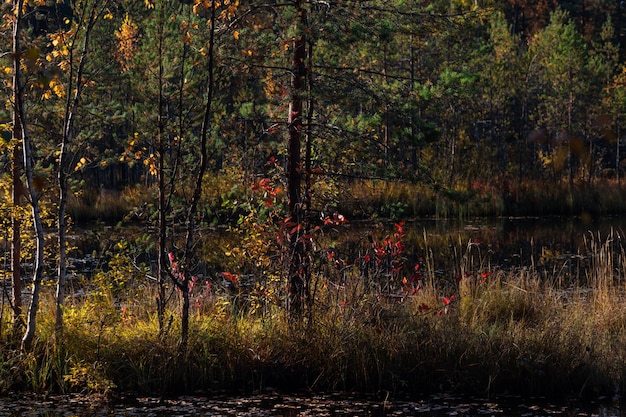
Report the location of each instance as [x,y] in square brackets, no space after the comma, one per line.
[486,332]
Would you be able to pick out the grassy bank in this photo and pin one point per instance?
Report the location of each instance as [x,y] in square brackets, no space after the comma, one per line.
[483,332]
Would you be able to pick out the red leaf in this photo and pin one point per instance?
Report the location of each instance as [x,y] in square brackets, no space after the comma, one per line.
[234,278]
[272,160]
[448,300]
[295,229]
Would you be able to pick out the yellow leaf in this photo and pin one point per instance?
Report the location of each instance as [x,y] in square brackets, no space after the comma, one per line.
[236,35]
[187,38]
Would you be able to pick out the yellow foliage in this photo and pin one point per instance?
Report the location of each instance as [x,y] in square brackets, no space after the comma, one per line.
[127,36]
[270,85]
[230,10]
[54,88]
[150,162]
[200,5]
[81,163]
[187,38]
[34,3]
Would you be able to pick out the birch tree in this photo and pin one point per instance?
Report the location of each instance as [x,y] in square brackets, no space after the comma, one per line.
[19,116]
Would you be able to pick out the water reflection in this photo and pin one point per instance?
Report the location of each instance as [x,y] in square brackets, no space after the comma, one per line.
[298,405]
[546,243]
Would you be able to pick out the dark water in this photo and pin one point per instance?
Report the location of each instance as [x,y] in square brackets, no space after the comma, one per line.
[496,242]
[511,243]
[297,405]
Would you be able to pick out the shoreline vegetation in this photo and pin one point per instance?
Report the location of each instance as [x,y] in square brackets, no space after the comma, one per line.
[380,323]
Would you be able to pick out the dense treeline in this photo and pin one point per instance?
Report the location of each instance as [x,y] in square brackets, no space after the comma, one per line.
[440,93]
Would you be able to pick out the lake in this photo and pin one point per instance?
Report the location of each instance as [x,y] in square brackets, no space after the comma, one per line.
[273,404]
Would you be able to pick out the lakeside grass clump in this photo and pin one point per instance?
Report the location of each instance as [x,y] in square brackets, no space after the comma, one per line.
[483,332]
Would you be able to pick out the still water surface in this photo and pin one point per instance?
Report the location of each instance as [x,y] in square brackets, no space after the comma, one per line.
[299,405]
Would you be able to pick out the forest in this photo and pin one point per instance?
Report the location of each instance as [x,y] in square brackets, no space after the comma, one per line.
[223,143]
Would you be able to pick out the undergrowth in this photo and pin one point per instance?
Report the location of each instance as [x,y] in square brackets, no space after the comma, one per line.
[482,331]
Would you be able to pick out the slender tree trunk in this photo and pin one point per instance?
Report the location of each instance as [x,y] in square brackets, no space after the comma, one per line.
[16,241]
[308,155]
[197,192]
[18,188]
[617,156]
[61,239]
[297,278]
[19,115]
[31,324]
[162,219]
